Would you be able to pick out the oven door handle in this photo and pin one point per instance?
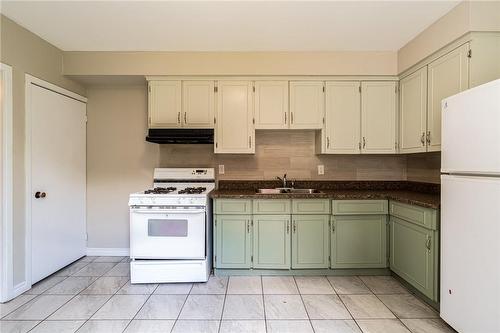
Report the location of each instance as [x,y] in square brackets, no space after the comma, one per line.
[168,211]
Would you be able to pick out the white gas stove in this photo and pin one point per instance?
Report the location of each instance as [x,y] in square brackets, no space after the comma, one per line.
[170,227]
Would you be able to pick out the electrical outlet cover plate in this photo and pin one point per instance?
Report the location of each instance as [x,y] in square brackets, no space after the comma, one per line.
[321,169]
[221,169]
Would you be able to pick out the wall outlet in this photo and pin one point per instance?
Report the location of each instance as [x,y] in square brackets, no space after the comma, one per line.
[321,169]
[221,169]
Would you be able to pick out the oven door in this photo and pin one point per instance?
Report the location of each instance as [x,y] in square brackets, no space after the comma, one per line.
[167,233]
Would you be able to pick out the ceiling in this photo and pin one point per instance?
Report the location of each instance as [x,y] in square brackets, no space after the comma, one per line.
[226,25]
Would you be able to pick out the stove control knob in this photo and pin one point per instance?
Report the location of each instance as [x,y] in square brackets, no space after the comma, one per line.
[141,201]
[153,201]
[191,201]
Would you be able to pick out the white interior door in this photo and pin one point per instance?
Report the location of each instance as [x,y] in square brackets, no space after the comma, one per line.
[58,170]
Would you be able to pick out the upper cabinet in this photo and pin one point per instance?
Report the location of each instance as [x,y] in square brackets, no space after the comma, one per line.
[271,105]
[378,117]
[446,76]
[198,104]
[413,115]
[360,118]
[174,104]
[164,106]
[234,129]
[307,104]
[341,133]
[421,96]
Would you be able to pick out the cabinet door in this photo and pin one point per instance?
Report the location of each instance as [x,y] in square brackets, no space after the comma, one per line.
[359,241]
[198,104]
[307,104]
[233,241]
[164,104]
[378,117]
[341,134]
[310,241]
[234,131]
[447,76]
[271,241]
[412,254]
[271,104]
[413,104]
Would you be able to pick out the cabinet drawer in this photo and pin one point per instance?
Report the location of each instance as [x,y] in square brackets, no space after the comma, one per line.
[311,206]
[425,217]
[359,207]
[233,206]
[271,206]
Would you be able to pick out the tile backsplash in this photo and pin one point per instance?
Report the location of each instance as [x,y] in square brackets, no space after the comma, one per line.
[286,151]
[424,167]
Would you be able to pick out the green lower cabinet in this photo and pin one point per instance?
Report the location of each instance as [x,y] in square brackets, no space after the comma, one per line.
[233,241]
[359,241]
[271,241]
[414,255]
[310,241]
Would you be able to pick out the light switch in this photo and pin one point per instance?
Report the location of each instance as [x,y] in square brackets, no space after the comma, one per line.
[221,169]
[321,169]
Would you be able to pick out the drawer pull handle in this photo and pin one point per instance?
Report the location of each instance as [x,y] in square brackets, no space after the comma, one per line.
[287,227]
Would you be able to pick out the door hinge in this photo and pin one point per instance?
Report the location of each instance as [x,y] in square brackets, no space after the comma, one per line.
[216,145]
[251,258]
[323,88]
[215,258]
[329,259]
[323,120]
[359,89]
[215,120]
[216,89]
[253,88]
[253,121]
[215,222]
[469,54]
[149,88]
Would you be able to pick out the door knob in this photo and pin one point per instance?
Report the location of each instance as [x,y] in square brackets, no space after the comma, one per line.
[39,195]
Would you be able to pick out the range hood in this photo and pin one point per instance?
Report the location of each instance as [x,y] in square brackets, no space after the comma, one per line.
[181,135]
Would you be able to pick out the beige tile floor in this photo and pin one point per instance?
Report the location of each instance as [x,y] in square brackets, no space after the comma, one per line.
[94,295]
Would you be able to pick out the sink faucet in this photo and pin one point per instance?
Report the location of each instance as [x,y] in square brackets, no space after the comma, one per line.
[283,180]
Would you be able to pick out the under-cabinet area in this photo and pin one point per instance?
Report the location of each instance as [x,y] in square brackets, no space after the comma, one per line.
[289,235]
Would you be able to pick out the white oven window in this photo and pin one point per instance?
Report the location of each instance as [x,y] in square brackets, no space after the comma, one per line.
[167,227]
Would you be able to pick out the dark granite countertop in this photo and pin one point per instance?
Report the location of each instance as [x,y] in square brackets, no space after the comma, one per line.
[420,194]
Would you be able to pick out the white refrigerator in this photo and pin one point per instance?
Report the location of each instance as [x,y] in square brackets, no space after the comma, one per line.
[470,210]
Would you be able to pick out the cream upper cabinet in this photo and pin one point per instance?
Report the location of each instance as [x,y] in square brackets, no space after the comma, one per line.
[341,134]
[413,111]
[484,58]
[271,104]
[306,104]
[378,117]
[234,130]
[198,104]
[447,76]
[164,104]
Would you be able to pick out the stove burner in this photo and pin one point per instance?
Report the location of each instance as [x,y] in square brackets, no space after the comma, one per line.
[192,190]
[160,190]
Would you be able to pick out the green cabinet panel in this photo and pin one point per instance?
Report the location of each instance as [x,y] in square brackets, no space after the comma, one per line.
[359,207]
[310,241]
[233,206]
[271,241]
[310,206]
[414,255]
[359,241]
[233,241]
[425,217]
[272,206]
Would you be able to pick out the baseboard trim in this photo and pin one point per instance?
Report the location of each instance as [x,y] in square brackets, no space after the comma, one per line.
[108,251]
